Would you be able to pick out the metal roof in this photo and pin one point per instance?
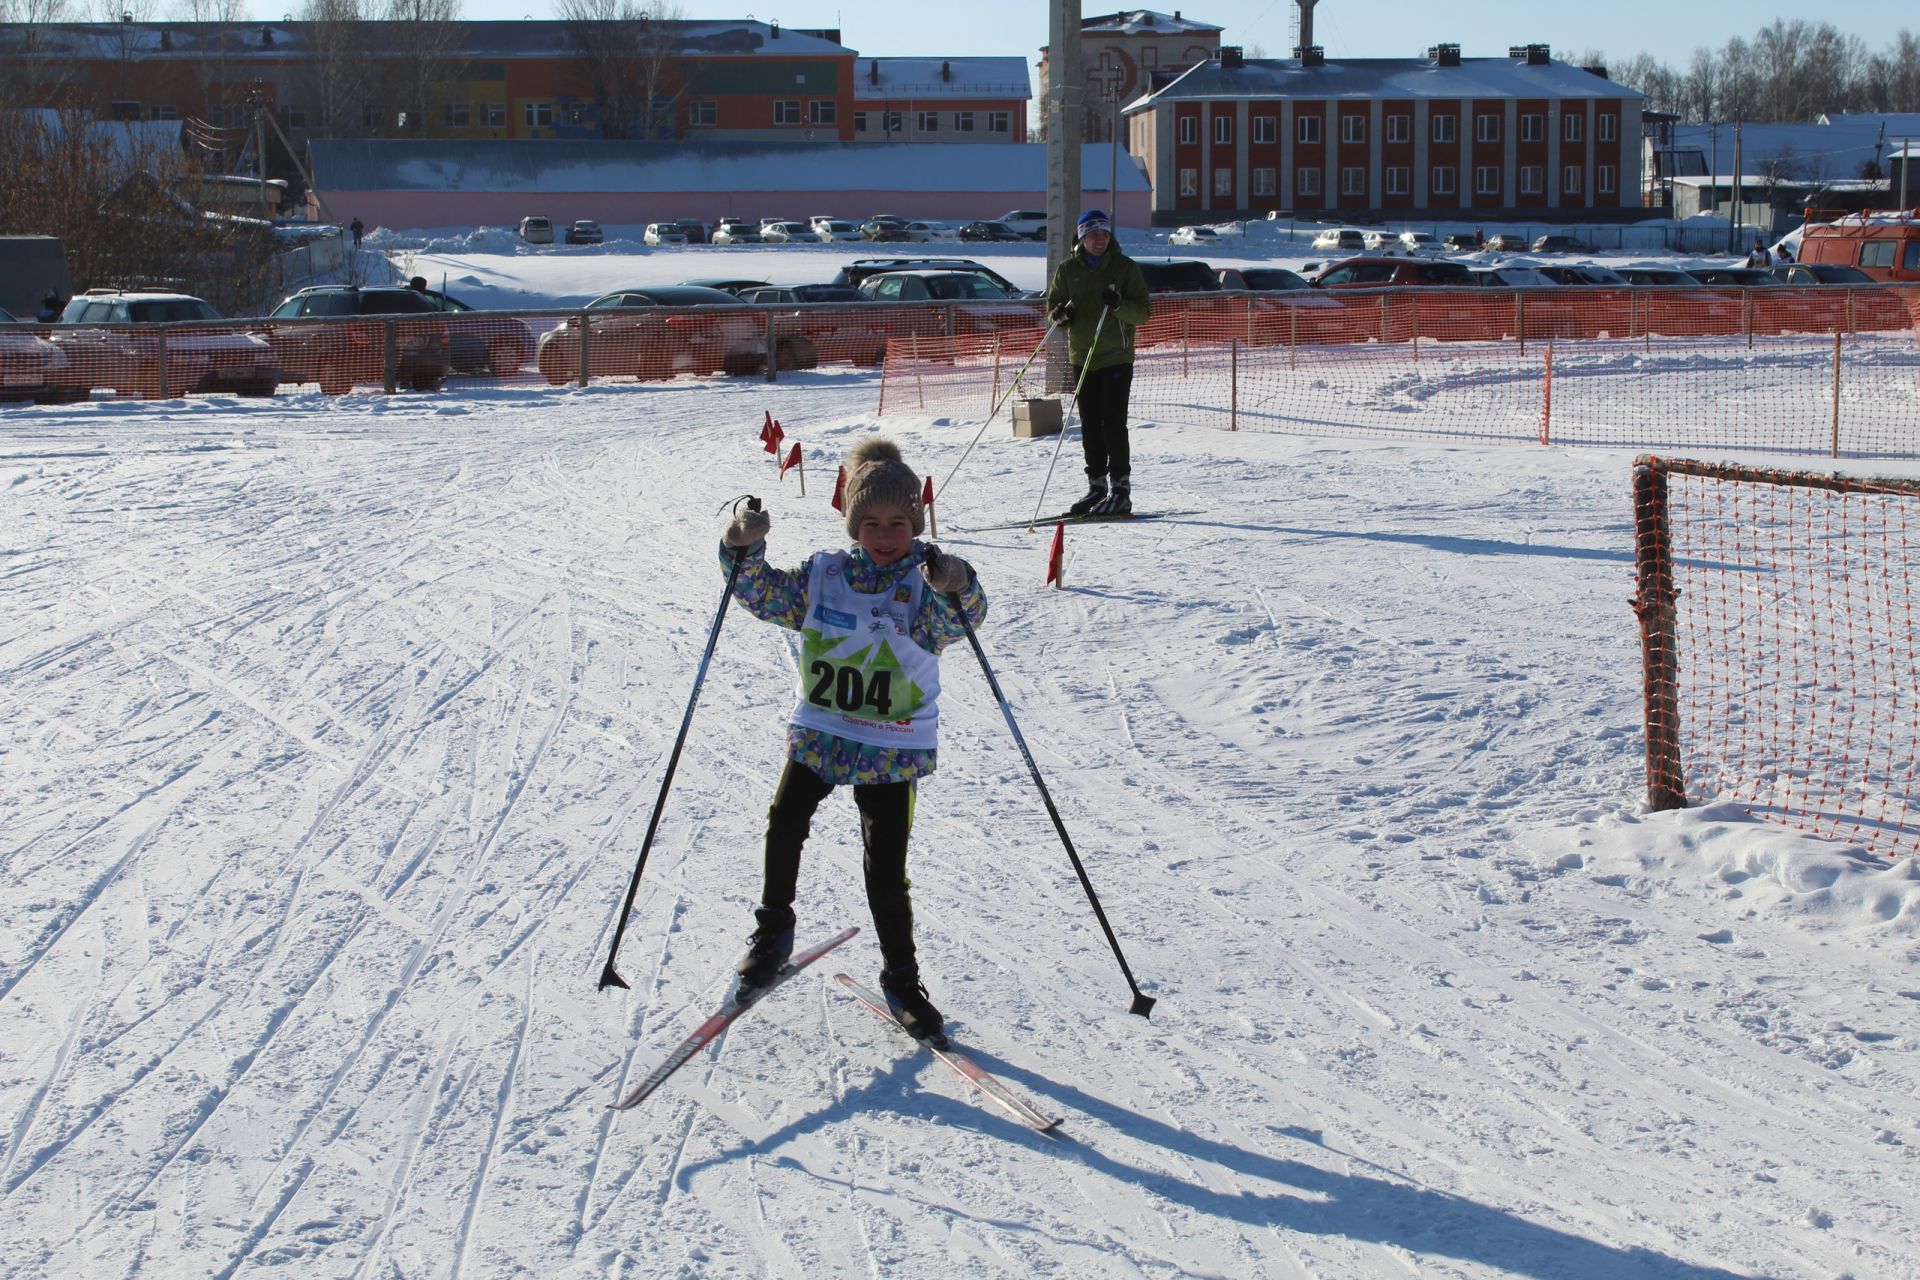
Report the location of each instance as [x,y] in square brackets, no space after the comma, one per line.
[1393,78]
[940,77]
[1144,22]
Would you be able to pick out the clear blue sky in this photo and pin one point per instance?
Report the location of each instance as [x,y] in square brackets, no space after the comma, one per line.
[1668,29]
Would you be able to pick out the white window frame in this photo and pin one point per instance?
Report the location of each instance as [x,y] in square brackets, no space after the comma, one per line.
[1606,126]
[1533,180]
[1306,180]
[1486,127]
[1605,179]
[1572,127]
[1399,180]
[704,114]
[1446,128]
[1353,180]
[963,122]
[1189,182]
[859,121]
[1571,179]
[1353,129]
[1222,130]
[999,122]
[537,115]
[495,114]
[823,112]
[1223,182]
[786,111]
[927,121]
[1266,128]
[1189,130]
[459,115]
[1533,128]
[1486,180]
[1266,182]
[1399,127]
[1440,181]
[1307,129]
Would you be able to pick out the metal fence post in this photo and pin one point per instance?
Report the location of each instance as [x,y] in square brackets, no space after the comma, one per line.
[995,397]
[1293,337]
[390,356]
[1186,332]
[1520,318]
[948,320]
[1746,310]
[586,336]
[162,334]
[1835,449]
[1233,383]
[773,349]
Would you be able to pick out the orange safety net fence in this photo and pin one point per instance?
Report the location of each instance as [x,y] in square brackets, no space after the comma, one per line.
[1776,369]
[1781,647]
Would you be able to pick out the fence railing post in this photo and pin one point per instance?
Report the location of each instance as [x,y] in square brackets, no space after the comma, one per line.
[1413,309]
[586,342]
[1186,332]
[995,397]
[1834,450]
[161,333]
[1546,398]
[773,349]
[1653,603]
[1293,337]
[919,383]
[390,341]
[1520,318]
[1233,385]
[1746,310]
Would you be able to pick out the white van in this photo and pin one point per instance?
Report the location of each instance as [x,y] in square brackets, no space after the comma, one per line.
[658,233]
[535,229]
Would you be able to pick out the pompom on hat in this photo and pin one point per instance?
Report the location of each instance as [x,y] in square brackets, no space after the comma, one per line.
[1093,220]
[877,477]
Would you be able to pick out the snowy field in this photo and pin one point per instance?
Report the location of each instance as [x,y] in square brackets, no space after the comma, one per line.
[333,727]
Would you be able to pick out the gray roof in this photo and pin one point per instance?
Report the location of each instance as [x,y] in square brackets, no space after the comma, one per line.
[1387,78]
[1144,22]
[523,39]
[546,166]
[940,77]
[1811,152]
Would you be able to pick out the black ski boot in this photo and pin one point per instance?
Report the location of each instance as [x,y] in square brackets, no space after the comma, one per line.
[767,950]
[908,1000]
[1096,494]
[1117,503]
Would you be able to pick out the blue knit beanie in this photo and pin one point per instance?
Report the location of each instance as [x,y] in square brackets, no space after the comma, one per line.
[1092,220]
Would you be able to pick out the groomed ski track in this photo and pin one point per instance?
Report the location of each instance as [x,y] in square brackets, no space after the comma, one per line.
[332,727]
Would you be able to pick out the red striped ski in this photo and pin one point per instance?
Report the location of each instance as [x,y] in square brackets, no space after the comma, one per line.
[970,1071]
[709,1031]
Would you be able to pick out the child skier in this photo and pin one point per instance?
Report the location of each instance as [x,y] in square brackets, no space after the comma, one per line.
[874,620]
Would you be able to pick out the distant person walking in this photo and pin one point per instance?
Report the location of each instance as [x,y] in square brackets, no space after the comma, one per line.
[359,230]
[1759,257]
[50,309]
[1782,254]
[1099,292]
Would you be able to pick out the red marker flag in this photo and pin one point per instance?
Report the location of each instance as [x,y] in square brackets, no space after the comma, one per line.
[926,504]
[792,459]
[771,435]
[1056,556]
[839,487]
[766,431]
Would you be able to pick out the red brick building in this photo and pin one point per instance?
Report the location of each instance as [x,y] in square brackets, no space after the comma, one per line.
[1443,135]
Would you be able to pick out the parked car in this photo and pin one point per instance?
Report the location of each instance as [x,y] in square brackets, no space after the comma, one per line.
[347,343]
[1858,303]
[1461,241]
[725,284]
[771,222]
[535,229]
[1194,235]
[31,368]
[860,268]
[884,227]
[1340,240]
[1580,273]
[925,231]
[1886,247]
[483,341]
[833,231]
[1377,273]
[988,232]
[1031,223]
[788,294]
[1379,241]
[1506,242]
[837,333]
[695,230]
[816,219]
[1512,275]
[1559,244]
[955,286]
[664,233]
[1261,279]
[1657,277]
[103,349]
[787,233]
[1820,273]
[735,231]
[1175,275]
[585,231]
[651,333]
[1735,277]
[1417,242]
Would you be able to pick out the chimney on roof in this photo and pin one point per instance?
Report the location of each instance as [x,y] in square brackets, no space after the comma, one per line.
[1445,55]
[946,71]
[1311,55]
[266,37]
[1535,55]
[1596,71]
[1306,22]
[1176,15]
[873,71]
[1231,55]
[776,28]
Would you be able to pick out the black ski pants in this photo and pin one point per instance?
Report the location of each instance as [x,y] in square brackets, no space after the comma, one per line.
[886,816]
[1103,421]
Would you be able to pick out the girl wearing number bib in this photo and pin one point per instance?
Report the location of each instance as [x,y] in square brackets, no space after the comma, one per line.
[873,621]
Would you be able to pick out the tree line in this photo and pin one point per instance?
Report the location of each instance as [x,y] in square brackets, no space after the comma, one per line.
[1788,73]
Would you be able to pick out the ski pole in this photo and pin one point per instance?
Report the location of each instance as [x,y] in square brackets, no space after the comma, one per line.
[995,411]
[608,978]
[1142,1003]
[1085,365]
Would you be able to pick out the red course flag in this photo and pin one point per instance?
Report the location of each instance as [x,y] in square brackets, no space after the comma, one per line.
[839,487]
[792,459]
[771,435]
[1056,554]
[926,504]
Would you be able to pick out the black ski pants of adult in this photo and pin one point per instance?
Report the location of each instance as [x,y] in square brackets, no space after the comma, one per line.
[886,816]
[1103,421]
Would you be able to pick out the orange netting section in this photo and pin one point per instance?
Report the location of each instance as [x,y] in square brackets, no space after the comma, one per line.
[1779,634]
[1827,370]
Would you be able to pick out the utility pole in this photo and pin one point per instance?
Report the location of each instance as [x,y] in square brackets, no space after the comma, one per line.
[1066,92]
[1733,223]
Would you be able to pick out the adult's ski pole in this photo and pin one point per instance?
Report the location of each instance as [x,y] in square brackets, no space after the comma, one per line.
[608,978]
[1085,365]
[1142,1003]
[995,411]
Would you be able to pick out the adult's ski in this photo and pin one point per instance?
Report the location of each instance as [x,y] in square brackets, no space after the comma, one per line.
[970,1071]
[1067,517]
[709,1031]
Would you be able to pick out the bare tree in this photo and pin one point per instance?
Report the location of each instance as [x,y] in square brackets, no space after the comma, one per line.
[420,59]
[335,78]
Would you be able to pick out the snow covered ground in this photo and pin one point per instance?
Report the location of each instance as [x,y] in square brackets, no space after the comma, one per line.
[332,727]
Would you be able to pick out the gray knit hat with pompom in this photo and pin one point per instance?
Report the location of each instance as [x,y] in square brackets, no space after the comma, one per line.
[875,475]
